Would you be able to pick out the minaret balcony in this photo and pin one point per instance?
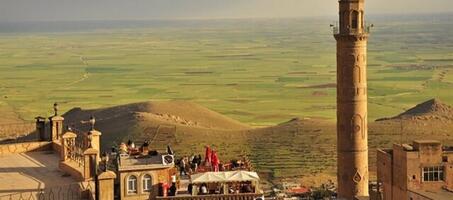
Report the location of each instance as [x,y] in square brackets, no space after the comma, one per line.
[351,31]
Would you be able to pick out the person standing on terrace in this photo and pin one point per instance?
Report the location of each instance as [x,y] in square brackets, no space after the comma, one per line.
[208,155]
[215,161]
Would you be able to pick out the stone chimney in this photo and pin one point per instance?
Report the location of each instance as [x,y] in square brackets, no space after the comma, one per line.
[56,123]
[41,128]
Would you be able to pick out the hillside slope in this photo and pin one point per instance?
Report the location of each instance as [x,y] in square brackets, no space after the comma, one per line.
[171,112]
[300,148]
[157,121]
[9,116]
[431,109]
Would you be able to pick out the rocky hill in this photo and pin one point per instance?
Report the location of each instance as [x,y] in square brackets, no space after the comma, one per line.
[432,109]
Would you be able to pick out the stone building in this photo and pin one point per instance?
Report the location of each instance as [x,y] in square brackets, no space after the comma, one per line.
[144,174]
[139,177]
[421,170]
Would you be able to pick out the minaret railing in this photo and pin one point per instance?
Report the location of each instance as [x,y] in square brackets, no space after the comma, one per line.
[366,30]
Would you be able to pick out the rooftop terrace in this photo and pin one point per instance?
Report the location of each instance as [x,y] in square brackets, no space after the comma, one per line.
[30,172]
[129,162]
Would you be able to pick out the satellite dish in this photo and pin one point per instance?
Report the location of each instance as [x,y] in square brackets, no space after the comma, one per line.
[168,159]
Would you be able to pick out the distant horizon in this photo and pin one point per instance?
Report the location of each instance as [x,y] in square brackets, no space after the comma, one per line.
[112,10]
[381,15]
[67,26]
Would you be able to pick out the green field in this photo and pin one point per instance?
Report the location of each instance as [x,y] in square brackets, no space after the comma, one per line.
[259,72]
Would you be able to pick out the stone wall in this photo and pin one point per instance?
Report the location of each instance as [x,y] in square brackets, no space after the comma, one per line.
[16,148]
[56,147]
[384,173]
[70,168]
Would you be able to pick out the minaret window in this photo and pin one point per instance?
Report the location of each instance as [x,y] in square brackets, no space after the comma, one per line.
[345,20]
[355,20]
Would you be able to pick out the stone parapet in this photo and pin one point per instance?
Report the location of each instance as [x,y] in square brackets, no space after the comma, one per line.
[72,169]
[56,146]
[16,148]
[106,185]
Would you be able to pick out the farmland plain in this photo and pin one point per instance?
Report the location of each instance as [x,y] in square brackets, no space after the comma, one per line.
[260,72]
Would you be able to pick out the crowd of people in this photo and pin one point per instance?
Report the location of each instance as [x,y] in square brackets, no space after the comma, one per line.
[189,165]
[195,163]
[131,149]
[218,188]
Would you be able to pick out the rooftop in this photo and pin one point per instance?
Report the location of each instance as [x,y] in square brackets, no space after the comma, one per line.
[129,162]
[31,171]
[410,147]
[427,142]
[438,195]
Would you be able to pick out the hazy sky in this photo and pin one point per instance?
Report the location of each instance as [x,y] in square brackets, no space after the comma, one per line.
[31,10]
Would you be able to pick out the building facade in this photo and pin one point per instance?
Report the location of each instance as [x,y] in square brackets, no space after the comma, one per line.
[421,170]
[352,135]
[143,183]
[141,174]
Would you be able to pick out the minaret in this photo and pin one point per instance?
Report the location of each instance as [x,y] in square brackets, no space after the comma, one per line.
[352,126]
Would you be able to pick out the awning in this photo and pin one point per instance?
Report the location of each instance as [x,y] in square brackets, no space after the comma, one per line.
[225,177]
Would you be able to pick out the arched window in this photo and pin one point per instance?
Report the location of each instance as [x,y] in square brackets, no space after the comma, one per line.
[147,183]
[132,185]
[345,20]
[355,19]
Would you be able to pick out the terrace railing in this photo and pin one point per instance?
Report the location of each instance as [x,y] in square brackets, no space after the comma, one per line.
[365,30]
[68,192]
[75,151]
[76,154]
[80,140]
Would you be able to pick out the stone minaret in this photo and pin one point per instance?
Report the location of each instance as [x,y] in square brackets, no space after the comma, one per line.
[352,134]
